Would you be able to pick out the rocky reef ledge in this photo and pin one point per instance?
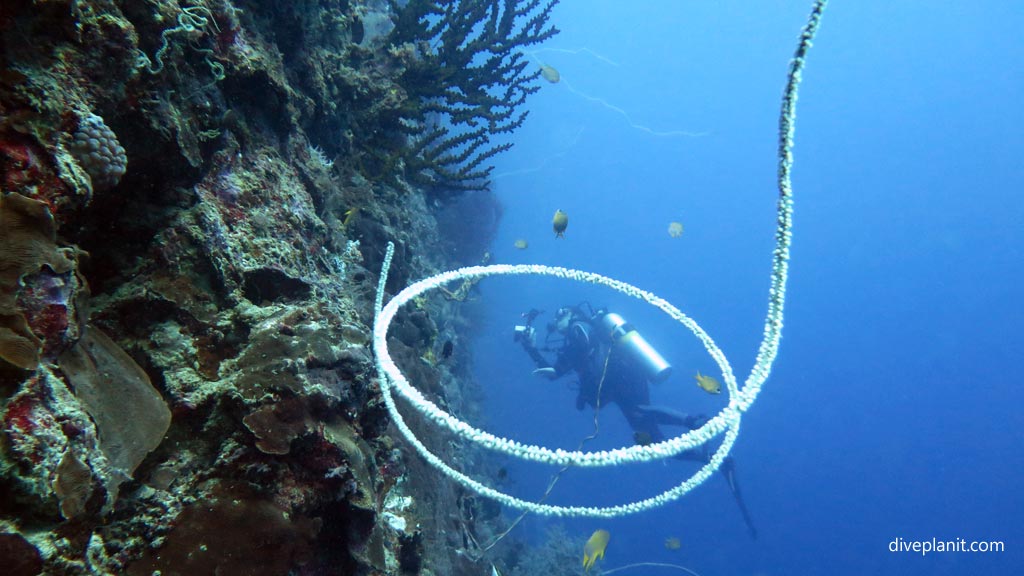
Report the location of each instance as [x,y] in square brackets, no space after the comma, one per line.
[196,198]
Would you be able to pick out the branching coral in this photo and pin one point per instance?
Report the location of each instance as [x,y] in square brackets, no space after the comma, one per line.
[467,83]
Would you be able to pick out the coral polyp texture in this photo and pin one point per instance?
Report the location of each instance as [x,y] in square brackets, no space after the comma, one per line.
[96,148]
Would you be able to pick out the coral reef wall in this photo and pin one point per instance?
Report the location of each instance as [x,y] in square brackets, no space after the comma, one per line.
[196,197]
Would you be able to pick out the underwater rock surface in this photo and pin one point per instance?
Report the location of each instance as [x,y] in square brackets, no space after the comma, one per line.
[196,199]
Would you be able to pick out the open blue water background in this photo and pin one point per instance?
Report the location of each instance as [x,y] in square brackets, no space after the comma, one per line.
[894,408]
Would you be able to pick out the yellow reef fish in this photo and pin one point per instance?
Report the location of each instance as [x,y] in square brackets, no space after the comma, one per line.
[675,229]
[521,244]
[673,543]
[709,384]
[550,74]
[349,215]
[560,223]
[594,548]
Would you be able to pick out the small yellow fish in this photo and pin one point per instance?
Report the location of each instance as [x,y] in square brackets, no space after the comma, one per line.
[349,215]
[560,223]
[709,384]
[594,548]
[675,229]
[673,543]
[550,74]
[521,244]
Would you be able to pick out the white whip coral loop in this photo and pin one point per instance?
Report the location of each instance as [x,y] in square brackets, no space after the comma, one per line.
[727,421]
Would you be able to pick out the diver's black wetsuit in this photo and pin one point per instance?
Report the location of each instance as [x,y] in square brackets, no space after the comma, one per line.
[619,382]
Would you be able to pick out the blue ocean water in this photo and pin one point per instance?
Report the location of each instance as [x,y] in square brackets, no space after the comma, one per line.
[893,413]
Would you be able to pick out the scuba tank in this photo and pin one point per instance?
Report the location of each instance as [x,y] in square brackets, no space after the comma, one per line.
[624,337]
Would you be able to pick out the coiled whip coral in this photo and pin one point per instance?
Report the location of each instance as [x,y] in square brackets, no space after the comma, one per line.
[726,422]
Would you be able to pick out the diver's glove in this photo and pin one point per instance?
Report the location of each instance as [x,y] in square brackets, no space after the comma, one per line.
[548,373]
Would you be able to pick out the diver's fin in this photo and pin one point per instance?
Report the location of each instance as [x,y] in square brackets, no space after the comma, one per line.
[728,469]
[548,373]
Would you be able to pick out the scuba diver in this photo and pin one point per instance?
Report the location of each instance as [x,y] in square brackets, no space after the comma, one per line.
[614,364]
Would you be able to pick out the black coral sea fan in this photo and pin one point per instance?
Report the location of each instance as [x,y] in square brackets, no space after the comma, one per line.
[468,82]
